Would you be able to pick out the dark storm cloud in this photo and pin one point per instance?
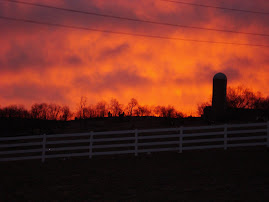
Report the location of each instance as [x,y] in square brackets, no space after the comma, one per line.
[236,61]
[68,18]
[58,16]
[233,74]
[32,91]
[185,15]
[234,64]
[36,55]
[74,60]
[205,73]
[27,55]
[202,75]
[111,53]
[223,19]
[117,80]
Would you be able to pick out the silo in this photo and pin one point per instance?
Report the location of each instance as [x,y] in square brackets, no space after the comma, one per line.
[219,105]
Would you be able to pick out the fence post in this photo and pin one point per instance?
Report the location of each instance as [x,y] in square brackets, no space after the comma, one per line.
[225,136]
[268,134]
[91,144]
[181,139]
[44,148]
[136,142]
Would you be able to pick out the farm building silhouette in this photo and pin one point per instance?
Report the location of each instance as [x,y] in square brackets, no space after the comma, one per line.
[220,112]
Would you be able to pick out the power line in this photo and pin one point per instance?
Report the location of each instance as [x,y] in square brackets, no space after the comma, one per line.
[138,20]
[127,33]
[217,7]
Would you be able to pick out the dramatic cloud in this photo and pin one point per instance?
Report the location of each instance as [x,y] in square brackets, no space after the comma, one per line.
[52,64]
[32,92]
[119,80]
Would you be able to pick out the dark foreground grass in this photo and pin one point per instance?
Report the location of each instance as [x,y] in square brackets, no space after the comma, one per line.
[233,175]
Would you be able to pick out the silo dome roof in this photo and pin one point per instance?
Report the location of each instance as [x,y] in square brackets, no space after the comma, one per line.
[220,76]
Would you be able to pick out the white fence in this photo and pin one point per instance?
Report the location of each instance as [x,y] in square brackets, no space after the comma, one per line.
[133,141]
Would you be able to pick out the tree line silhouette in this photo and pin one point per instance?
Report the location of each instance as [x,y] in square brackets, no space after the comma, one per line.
[238,97]
[44,111]
[41,111]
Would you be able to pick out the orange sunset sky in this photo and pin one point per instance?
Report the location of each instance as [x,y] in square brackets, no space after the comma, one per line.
[57,65]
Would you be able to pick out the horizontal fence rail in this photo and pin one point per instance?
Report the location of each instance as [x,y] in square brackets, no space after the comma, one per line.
[133,141]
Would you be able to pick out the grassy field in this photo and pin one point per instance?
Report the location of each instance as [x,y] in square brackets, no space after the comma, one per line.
[216,175]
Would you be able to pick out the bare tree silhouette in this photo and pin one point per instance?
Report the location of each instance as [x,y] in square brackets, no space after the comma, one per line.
[14,111]
[115,107]
[241,97]
[39,111]
[133,103]
[82,110]
[53,112]
[66,114]
[101,109]
[142,111]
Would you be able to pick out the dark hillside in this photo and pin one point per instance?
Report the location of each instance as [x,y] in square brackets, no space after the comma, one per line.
[192,176]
